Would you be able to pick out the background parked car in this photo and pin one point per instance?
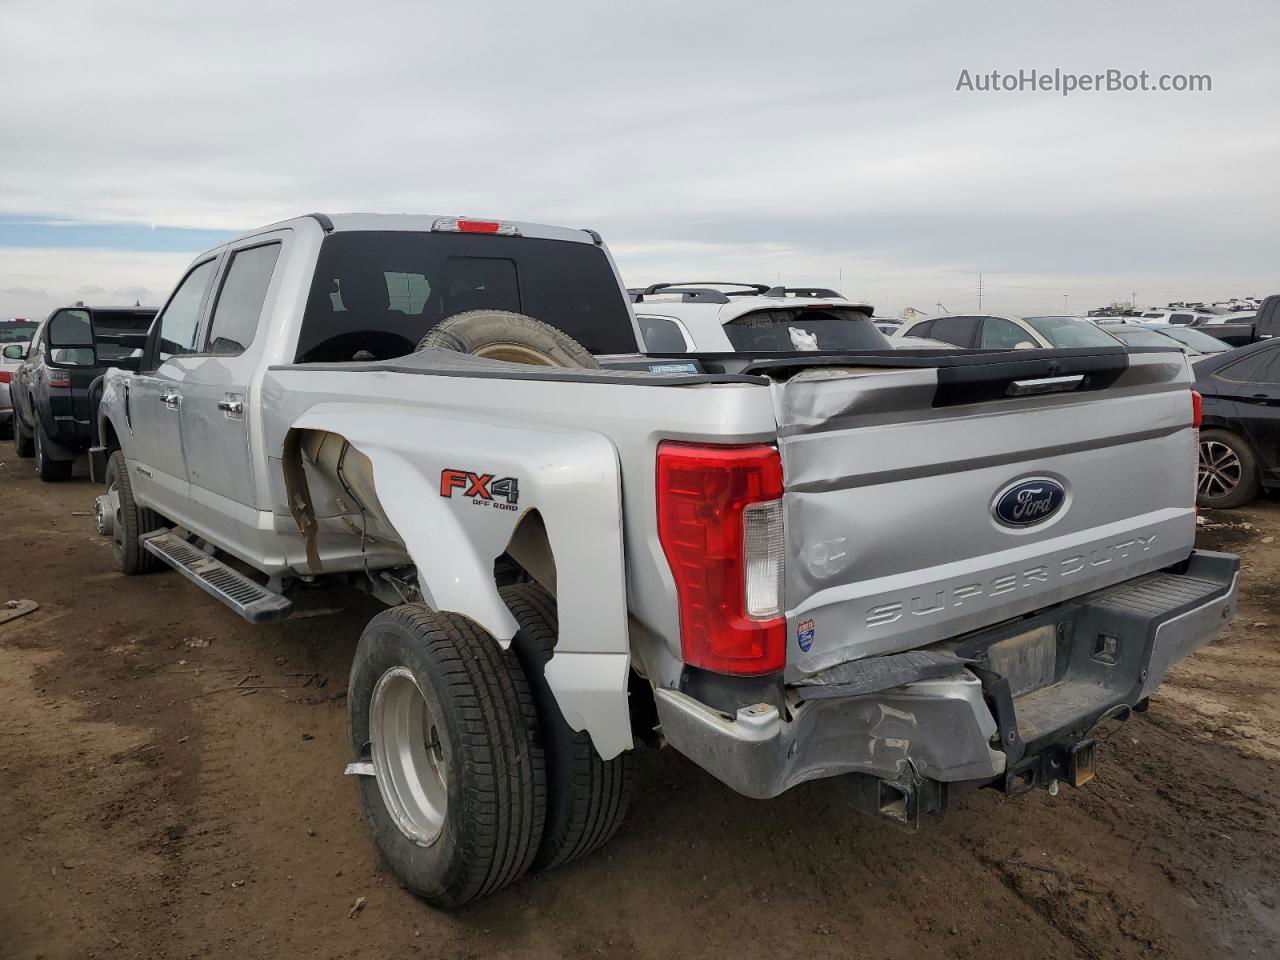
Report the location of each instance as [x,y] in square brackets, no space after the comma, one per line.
[11,358]
[986,332]
[53,403]
[758,319]
[1189,340]
[1240,435]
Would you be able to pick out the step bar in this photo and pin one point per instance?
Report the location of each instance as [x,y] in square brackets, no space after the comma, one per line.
[251,600]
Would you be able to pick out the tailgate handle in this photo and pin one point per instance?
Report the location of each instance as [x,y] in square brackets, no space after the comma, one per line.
[1030,388]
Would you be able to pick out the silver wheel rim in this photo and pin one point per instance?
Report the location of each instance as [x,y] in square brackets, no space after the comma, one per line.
[108,505]
[117,516]
[408,757]
[1220,470]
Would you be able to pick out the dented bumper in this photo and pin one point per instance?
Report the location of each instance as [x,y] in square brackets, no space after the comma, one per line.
[1004,705]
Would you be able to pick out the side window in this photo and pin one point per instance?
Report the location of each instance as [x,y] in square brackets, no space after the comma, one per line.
[661,335]
[920,329]
[1180,318]
[957,330]
[1001,334]
[37,340]
[1269,370]
[1245,369]
[239,306]
[181,317]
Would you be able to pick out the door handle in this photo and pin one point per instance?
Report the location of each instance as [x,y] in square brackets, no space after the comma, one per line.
[232,405]
[170,400]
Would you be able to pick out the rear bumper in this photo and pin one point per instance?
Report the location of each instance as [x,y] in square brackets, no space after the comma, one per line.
[1015,706]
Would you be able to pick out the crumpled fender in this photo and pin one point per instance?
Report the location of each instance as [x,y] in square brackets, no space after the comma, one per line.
[571,477]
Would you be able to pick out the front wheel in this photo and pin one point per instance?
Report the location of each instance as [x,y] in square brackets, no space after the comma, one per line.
[445,718]
[1228,473]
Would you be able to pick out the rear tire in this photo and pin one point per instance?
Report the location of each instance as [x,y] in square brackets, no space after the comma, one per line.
[48,469]
[1228,474]
[130,521]
[587,798]
[503,335]
[23,443]
[446,717]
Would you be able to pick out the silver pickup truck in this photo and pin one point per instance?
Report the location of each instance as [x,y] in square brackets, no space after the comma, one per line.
[918,572]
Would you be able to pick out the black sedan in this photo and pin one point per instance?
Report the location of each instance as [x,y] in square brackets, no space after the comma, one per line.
[1240,435]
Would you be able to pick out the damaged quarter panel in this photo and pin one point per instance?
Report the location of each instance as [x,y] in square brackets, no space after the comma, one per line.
[454,489]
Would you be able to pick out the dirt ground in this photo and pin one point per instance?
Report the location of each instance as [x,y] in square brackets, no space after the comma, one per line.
[170,786]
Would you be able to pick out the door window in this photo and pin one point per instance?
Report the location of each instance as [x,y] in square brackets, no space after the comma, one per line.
[956,330]
[181,316]
[1001,334]
[239,306]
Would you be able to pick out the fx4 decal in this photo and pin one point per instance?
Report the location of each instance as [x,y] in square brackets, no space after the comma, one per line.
[482,488]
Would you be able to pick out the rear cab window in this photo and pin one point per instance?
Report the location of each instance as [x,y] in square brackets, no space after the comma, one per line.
[375,294]
[114,323]
[827,329]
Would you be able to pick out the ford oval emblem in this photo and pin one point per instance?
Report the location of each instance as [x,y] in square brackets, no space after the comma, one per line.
[1028,502]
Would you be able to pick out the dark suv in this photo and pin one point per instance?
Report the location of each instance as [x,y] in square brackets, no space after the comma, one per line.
[53,391]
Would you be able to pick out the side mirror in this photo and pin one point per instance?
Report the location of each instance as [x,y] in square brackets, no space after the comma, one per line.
[1024,345]
[70,340]
[15,351]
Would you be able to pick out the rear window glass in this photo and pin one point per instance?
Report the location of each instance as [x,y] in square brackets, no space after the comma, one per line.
[1204,342]
[804,329]
[1137,337]
[1064,332]
[376,293]
[116,323]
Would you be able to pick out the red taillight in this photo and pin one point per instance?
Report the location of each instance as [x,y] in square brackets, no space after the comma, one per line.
[720,524]
[6,376]
[58,378]
[1197,409]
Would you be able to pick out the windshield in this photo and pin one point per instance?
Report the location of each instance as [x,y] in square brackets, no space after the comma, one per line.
[806,328]
[376,293]
[1197,339]
[1138,337]
[1067,332]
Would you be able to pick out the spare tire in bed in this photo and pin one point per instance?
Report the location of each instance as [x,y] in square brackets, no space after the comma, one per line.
[503,335]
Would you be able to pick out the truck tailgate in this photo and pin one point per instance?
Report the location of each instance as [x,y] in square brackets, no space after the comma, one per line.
[893,475]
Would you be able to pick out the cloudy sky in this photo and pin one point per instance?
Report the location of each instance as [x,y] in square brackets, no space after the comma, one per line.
[807,142]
